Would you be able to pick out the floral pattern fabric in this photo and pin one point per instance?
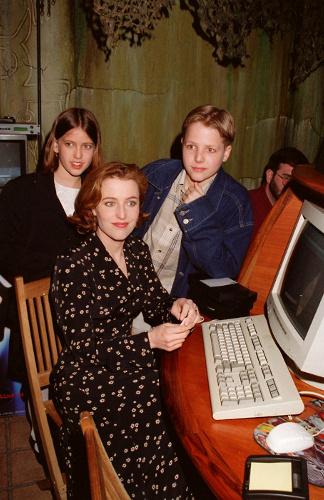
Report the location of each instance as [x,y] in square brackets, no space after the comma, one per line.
[106,370]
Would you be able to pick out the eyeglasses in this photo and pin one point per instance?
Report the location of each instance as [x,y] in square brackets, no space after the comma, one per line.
[284,178]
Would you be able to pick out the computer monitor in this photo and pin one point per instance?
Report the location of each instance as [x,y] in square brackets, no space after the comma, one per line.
[13,156]
[295,305]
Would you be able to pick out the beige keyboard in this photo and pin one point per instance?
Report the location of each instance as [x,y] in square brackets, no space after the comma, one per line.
[247,374]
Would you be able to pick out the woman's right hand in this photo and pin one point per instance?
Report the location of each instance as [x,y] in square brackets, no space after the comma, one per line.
[168,336]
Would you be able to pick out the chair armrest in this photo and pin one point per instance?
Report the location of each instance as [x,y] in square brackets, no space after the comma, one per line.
[51,411]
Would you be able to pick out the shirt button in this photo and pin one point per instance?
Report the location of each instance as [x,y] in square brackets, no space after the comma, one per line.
[186,221]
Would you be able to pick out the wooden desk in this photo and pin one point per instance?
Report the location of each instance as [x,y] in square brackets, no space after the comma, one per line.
[311,178]
[218,449]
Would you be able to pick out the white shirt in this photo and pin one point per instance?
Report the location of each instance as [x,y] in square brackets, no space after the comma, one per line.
[67,197]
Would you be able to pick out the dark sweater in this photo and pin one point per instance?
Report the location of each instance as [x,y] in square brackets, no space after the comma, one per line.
[33,227]
[33,230]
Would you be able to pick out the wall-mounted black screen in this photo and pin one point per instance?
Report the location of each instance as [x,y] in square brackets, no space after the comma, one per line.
[13,157]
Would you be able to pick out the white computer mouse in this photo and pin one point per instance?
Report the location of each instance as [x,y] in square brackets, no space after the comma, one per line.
[288,438]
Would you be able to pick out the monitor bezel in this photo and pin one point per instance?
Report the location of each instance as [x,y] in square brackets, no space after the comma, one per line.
[303,352]
[21,138]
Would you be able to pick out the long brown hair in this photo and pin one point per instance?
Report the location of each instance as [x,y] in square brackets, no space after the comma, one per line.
[67,120]
[90,193]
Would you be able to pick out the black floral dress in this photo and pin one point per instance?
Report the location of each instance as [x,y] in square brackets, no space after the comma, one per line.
[111,373]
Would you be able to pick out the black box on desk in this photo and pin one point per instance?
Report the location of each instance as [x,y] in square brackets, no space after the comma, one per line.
[220,301]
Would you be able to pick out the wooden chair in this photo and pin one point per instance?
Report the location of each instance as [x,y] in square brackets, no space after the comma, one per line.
[104,482]
[41,348]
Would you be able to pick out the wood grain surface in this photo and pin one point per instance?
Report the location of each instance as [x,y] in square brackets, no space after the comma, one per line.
[218,449]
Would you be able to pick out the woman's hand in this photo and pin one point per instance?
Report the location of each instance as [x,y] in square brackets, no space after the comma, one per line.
[186,311]
[168,336]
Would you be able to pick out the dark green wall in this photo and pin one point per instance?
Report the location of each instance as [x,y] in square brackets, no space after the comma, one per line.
[142,94]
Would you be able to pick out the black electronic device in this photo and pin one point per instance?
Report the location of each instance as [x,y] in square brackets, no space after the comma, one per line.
[220,301]
[7,119]
[11,127]
[275,477]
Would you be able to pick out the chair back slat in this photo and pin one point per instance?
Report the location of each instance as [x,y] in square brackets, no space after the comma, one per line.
[44,334]
[35,335]
[47,345]
[54,340]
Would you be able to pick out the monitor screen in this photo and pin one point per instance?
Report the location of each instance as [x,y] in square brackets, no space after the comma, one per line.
[13,156]
[295,305]
[303,283]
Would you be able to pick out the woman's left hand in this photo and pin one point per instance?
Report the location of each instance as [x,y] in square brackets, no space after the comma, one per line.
[186,311]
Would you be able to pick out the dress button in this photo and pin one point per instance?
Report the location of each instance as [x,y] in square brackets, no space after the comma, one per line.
[185,221]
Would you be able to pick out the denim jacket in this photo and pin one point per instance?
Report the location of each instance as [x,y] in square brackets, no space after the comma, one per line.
[216,228]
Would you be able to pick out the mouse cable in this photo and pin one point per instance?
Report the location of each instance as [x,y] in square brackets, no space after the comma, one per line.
[311,393]
[316,394]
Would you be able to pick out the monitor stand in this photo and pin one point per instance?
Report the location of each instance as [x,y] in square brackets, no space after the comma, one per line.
[312,380]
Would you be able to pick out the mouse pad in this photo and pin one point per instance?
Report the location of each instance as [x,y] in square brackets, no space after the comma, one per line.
[313,421]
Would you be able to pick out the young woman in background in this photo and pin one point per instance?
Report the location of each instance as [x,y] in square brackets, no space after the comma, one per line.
[34,210]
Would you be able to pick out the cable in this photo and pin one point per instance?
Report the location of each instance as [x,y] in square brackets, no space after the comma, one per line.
[312,393]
